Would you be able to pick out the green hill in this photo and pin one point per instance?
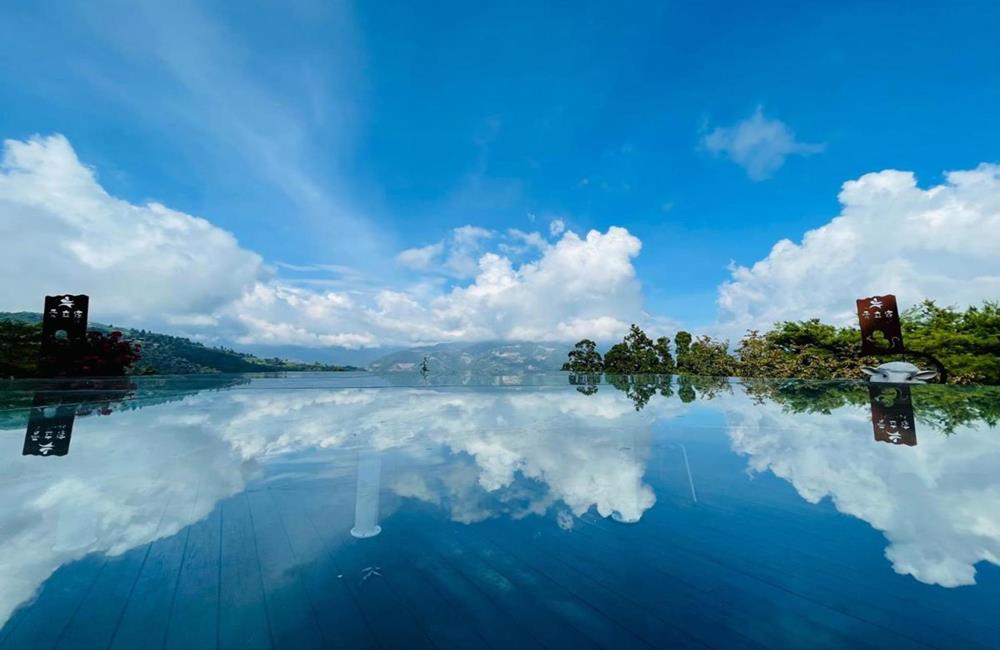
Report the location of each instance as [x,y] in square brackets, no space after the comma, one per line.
[162,354]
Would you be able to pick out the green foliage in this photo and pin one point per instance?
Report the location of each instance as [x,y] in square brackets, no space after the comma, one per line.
[708,357]
[947,407]
[641,388]
[638,354]
[809,396]
[586,383]
[20,343]
[682,343]
[942,408]
[685,390]
[664,359]
[807,350]
[618,360]
[96,355]
[703,356]
[967,343]
[690,387]
[584,358]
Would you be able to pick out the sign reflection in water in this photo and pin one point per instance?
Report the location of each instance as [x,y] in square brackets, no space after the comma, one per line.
[50,426]
[892,414]
[478,454]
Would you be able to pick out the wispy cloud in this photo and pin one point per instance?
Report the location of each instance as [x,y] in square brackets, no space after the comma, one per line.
[183,71]
[758,144]
[420,258]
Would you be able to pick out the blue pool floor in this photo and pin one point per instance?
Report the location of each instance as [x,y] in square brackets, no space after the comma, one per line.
[747,565]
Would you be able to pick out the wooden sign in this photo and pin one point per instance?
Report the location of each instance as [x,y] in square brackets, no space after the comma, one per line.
[65,316]
[892,414]
[879,314]
[50,427]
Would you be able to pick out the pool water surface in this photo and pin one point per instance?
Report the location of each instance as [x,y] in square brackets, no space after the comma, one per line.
[349,510]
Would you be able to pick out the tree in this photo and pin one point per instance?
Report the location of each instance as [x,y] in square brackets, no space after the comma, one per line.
[19,344]
[97,355]
[806,350]
[685,390]
[664,359]
[641,388]
[638,354]
[618,360]
[708,357]
[967,343]
[682,343]
[585,383]
[584,358]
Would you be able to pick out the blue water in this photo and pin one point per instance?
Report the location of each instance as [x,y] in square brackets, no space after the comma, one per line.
[312,511]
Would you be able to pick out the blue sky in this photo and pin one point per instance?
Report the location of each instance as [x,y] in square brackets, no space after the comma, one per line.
[329,137]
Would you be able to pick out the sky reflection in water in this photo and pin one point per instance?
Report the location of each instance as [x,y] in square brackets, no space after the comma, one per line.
[591,502]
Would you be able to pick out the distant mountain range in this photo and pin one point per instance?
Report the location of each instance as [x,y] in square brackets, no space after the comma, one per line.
[489,358]
[163,354]
[336,355]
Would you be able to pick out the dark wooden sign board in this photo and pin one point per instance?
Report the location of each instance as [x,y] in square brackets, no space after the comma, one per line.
[892,413]
[50,427]
[64,313]
[880,314]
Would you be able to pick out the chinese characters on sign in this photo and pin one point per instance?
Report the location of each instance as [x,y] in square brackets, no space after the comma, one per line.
[879,314]
[67,314]
[50,427]
[892,414]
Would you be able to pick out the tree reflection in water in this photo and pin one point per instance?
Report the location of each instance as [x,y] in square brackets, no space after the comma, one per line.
[940,407]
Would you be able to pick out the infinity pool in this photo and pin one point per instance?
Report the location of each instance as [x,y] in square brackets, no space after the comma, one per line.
[352,510]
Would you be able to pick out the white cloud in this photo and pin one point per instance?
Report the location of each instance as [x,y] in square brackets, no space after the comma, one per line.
[116,491]
[61,232]
[758,144]
[577,287]
[420,258]
[478,454]
[456,256]
[890,237]
[465,247]
[148,265]
[528,240]
[937,503]
[557,227]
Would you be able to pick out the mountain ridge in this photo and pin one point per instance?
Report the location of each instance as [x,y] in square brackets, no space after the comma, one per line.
[173,355]
[486,357]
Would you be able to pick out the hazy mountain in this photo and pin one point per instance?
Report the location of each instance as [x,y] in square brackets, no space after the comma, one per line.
[489,358]
[336,355]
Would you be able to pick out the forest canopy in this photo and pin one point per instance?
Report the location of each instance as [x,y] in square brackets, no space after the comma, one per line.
[966,343]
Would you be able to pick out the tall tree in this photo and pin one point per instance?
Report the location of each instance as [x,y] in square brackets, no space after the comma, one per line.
[704,356]
[584,358]
[638,354]
[664,358]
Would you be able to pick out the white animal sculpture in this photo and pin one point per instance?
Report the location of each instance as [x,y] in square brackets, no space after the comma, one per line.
[898,372]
